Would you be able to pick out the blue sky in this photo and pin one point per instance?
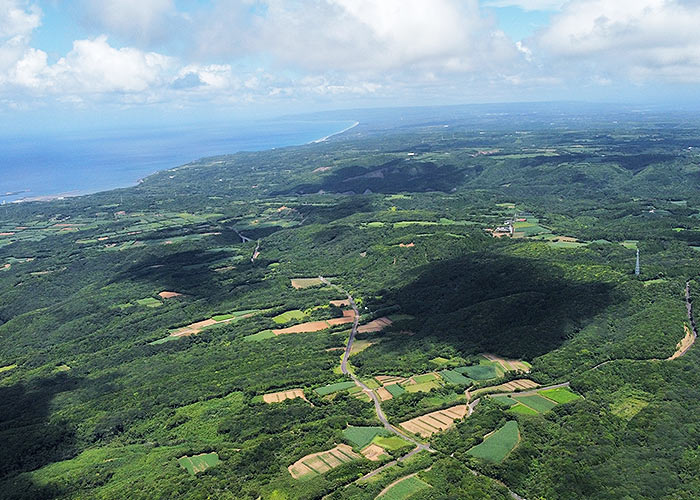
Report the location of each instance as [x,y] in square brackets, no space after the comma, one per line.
[126,62]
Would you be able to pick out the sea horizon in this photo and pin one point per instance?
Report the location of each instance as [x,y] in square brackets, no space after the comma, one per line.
[40,167]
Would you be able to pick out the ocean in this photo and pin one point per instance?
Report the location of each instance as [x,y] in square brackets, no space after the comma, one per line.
[40,167]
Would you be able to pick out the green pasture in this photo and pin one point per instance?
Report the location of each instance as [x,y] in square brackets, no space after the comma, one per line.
[561,395]
[537,403]
[404,489]
[453,377]
[264,335]
[337,387]
[288,316]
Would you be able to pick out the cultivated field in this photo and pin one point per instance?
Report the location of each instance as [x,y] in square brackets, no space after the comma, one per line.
[403,488]
[509,364]
[277,397]
[317,326]
[363,436]
[288,316]
[497,445]
[300,283]
[375,326]
[536,402]
[169,295]
[199,463]
[453,377]
[337,387]
[437,421]
[318,463]
[512,386]
[374,453]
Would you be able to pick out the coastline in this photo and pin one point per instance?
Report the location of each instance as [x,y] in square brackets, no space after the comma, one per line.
[324,139]
[71,193]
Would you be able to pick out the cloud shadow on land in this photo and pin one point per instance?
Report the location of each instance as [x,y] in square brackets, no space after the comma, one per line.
[30,437]
[506,305]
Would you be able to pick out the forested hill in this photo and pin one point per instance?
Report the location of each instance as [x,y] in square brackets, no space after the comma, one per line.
[175,339]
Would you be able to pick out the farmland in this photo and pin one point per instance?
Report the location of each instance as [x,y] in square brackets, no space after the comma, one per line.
[199,463]
[497,446]
[319,463]
[404,488]
[95,381]
[363,436]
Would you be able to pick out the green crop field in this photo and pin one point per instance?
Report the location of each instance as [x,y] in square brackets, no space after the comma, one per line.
[454,377]
[421,379]
[404,489]
[265,334]
[330,389]
[424,387]
[560,395]
[288,316]
[360,437]
[236,314]
[537,403]
[371,383]
[479,372]
[199,463]
[504,400]
[395,390]
[497,446]
[521,409]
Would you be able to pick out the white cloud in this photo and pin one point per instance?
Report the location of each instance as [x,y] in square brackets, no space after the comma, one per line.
[17,22]
[527,4]
[640,39]
[140,21]
[95,66]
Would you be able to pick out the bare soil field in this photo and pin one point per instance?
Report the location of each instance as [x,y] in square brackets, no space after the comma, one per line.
[374,453]
[316,326]
[324,461]
[383,394]
[277,397]
[508,364]
[340,303]
[375,326]
[437,421]
[512,386]
[300,283]
[169,295]
[684,344]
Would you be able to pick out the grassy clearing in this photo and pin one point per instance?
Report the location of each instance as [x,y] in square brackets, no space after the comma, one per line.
[453,377]
[561,395]
[234,315]
[537,403]
[497,446]
[363,436]
[440,361]
[199,463]
[404,489]
[400,317]
[288,316]
[164,340]
[265,334]
[371,383]
[149,302]
[337,387]
[395,389]
[391,442]
[7,368]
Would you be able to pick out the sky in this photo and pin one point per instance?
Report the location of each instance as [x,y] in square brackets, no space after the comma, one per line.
[73,63]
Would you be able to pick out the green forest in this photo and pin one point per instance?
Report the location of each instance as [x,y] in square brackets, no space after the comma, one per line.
[185,317]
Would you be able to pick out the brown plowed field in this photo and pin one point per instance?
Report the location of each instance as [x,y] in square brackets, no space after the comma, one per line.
[341,303]
[429,424]
[374,326]
[169,295]
[511,386]
[316,326]
[374,452]
[384,394]
[323,461]
[277,397]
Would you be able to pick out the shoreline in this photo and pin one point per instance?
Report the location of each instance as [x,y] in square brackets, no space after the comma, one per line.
[74,194]
[324,139]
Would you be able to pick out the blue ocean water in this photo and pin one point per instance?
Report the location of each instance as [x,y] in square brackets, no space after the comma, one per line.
[34,167]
